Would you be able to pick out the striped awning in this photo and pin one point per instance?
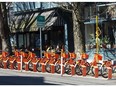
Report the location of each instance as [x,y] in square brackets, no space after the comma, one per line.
[51,19]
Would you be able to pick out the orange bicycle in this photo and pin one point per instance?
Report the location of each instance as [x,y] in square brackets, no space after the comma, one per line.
[80,62]
[108,63]
[95,62]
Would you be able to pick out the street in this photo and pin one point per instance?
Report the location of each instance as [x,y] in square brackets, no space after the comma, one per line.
[15,77]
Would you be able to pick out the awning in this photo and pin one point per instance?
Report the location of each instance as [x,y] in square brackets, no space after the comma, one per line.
[52,19]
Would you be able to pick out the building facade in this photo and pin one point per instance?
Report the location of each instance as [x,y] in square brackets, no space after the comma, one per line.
[57,29]
[107,22]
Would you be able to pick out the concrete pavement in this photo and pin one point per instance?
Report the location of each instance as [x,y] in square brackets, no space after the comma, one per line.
[15,77]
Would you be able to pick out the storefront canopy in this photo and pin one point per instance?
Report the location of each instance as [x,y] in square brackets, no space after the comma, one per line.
[28,22]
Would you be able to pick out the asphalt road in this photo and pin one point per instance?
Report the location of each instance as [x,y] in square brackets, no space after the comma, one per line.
[14,77]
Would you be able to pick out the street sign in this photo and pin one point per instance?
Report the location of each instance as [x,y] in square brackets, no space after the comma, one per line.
[41,21]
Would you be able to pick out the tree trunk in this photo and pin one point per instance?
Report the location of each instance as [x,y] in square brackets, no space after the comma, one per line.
[78,37]
[0,44]
[4,29]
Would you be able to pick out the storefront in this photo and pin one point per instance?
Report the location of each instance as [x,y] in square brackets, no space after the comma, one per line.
[57,30]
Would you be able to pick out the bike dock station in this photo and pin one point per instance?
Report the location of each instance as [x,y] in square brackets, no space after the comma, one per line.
[64,63]
[52,64]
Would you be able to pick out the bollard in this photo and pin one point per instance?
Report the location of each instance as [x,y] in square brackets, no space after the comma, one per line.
[11,66]
[43,67]
[72,70]
[26,66]
[52,68]
[34,62]
[26,62]
[19,66]
[5,64]
[109,72]
[34,67]
[83,70]
[96,71]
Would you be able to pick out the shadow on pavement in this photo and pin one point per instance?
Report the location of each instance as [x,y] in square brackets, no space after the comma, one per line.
[22,80]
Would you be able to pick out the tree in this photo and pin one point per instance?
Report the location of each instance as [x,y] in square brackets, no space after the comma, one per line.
[4,29]
[112,29]
[78,23]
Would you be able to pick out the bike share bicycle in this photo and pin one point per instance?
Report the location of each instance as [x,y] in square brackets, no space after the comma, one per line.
[81,62]
[106,64]
[96,63]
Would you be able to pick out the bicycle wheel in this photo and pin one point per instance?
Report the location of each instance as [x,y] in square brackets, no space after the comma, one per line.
[68,69]
[30,66]
[114,69]
[78,70]
[58,68]
[88,66]
[1,63]
[8,64]
[104,72]
[48,68]
[15,65]
[39,67]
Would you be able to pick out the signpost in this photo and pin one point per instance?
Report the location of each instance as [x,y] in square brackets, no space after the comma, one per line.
[41,24]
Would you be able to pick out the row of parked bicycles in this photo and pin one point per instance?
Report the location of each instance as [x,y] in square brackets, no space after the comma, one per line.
[49,59]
